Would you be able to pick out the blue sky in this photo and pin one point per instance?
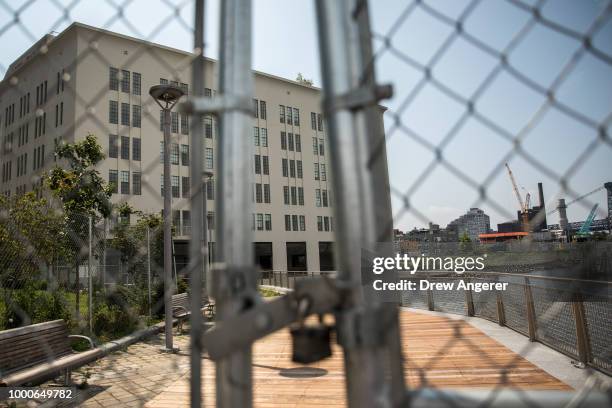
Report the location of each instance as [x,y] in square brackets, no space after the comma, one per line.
[285,43]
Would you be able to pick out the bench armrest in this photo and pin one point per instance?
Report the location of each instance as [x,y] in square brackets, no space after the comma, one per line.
[78,336]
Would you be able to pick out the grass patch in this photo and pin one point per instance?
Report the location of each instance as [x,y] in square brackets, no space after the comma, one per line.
[269,292]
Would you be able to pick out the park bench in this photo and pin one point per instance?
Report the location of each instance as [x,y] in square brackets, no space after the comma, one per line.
[24,350]
[181,308]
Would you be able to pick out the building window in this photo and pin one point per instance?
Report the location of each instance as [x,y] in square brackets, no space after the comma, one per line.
[281,111]
[300,195]
[210,190]
[136,155]
[268,222]
[113,112]
[185,155]
[326,223]
[315,146]
[162,120]
[125,147]
[113,79]
[266,191]
[262,110]
[283,136]
[136,116]
[289,120]
[290,140]
[174,153]
[266,165]
[323,173]
[292,168]
[318,197]
[175,187]
[184,124]
[286,195]
[256,108]
[324,197]
[208,157]
[260,225]
[294,221]
[174,122]
[211,220]
[257,164]
[319,122]
[161,183]
[285,168]
[113,148]
[186,222]
[313,120]
[207,92]
[296,116]
[298,143]
[287,223]
[136,183]
[125,81]
[302,223]
[208,129]
[186,186]
[136,83]
[321,148]
[316,171]
[125,114]
[263,136]
[293,196]
[319,223]
[300,172]
[161,151]
[125,182]
[256,136]
[113,180]
[258,193]
[185,88]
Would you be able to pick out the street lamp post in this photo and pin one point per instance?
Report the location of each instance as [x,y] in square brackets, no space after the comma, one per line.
[166,97]
[207,175]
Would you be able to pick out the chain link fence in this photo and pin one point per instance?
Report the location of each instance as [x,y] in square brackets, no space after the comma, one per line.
[85,244]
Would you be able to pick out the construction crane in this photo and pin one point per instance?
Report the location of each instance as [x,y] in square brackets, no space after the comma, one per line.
[523,207]
[586,225]
[577,199]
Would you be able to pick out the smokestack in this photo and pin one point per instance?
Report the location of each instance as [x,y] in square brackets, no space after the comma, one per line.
[562,214]
[542,214]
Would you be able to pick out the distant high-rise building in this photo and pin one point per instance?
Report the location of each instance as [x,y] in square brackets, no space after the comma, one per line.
[472,223]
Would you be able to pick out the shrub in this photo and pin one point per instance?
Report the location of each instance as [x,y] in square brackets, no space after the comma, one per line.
[111,321]
[28,306]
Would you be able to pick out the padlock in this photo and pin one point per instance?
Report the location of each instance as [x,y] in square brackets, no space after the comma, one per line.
[311,343]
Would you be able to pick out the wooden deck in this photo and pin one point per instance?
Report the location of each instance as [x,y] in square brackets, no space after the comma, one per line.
[439,352]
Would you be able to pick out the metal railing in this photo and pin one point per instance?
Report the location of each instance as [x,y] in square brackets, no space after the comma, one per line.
[575,322]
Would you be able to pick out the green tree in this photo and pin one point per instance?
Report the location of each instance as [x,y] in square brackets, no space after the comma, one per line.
[83,194]
[31,238]
[465,237]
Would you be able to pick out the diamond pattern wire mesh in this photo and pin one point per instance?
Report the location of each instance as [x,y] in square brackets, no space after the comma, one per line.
[461,104]
[386,43]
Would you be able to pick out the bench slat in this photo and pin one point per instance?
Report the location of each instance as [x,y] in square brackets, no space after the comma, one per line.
[27,346]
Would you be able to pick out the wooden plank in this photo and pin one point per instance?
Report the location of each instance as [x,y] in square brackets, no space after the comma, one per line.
[438,352]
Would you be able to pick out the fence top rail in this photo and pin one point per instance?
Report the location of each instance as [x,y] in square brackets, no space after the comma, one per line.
[510,274]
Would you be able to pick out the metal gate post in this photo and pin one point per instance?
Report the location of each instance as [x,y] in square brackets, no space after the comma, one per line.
[360,181]
[198,249]
[235,281]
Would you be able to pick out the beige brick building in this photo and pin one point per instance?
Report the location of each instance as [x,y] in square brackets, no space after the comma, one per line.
[87,80]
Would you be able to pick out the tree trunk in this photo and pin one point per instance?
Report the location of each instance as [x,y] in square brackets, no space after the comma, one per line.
[77,284]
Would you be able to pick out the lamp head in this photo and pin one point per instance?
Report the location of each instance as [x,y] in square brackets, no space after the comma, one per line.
[166,93]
